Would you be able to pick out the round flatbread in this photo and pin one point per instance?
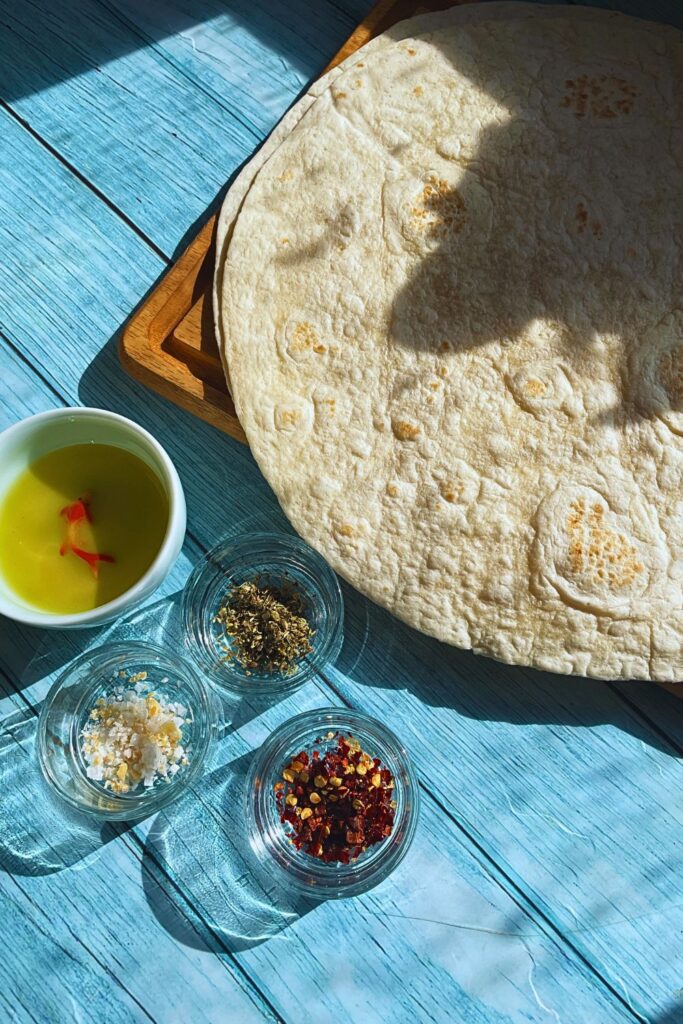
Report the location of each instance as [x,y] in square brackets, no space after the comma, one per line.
[450,307]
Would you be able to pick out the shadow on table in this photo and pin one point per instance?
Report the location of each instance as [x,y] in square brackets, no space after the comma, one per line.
[31,654]
[220,477]
[39,835]
[674,1015]
[201,842]
[40,654]
[36,53]
[380,651]
[159,623]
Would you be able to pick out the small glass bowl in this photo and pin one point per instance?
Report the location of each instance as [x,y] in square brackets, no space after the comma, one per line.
[276,558]
[67,707]
[270,839]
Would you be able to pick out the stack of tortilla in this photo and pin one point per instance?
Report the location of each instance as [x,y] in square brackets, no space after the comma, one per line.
[448,298]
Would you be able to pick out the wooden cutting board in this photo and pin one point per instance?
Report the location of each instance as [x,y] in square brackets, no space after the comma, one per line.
[169,343]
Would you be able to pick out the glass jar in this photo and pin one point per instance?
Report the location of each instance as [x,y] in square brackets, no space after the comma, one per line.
[270,839]
[276,559]
[97,674]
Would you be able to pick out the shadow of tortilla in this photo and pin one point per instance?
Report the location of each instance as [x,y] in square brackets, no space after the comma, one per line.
[381,652]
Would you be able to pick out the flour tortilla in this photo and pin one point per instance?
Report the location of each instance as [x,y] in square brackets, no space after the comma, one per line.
[243,182]
[449,303]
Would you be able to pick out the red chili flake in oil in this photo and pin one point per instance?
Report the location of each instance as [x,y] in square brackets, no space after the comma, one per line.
[338,802]
[75,513]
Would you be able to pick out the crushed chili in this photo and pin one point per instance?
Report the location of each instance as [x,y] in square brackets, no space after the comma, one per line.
[339,802]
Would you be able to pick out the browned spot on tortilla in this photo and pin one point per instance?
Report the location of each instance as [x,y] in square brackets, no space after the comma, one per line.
[597,550]
[404,430]
[326,408]
[603,97]
[439,209]
[289,417]
[534,387]
[304,336]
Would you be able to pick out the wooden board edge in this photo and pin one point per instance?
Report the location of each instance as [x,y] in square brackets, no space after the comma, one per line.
[371,25]
[209,411]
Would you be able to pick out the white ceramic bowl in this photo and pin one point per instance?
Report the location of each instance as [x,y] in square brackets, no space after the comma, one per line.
[28,440]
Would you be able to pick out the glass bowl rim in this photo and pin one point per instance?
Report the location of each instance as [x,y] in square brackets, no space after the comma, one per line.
[136,805]
[227,677]
[318,879]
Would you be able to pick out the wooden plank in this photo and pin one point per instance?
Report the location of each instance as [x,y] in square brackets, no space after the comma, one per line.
[521,969]
[109,79]
[287,42]
[519,966]
[484,959]
[524,967]
[657,707]
[185,370]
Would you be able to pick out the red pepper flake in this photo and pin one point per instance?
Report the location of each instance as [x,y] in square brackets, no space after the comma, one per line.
[75,513]
[342,810]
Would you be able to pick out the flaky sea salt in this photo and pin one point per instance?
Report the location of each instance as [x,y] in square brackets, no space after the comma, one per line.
[133,738]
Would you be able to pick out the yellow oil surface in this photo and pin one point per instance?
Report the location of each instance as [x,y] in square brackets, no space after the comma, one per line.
[129,512]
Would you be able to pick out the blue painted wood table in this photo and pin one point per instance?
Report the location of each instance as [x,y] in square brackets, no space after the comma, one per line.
[545,881]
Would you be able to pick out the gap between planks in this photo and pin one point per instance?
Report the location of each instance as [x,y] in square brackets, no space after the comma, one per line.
[84,181]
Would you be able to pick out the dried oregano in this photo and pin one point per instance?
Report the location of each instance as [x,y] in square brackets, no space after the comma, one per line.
[264,626]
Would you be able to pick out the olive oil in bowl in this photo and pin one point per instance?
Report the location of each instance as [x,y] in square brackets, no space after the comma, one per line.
[80,526]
